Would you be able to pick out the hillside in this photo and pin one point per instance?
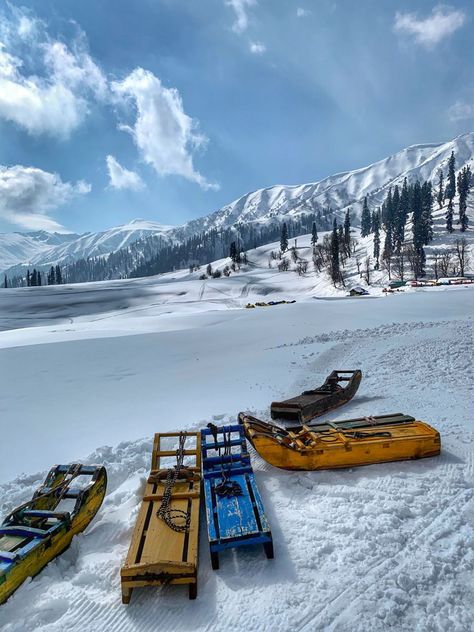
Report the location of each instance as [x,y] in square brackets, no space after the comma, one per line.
[333,194]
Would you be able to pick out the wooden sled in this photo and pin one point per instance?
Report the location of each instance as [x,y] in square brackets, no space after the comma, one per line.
[159,555]
[233,519]
[40,529]
[318,401]
[328,445]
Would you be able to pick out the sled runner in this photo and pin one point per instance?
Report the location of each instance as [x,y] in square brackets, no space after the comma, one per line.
[164,546]
[234,508]
[39,530]
[328,445]
[315,402]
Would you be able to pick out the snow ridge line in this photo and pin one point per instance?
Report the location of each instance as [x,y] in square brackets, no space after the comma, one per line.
[382,331]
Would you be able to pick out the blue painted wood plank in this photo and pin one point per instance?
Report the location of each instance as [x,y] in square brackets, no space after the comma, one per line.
[236,520]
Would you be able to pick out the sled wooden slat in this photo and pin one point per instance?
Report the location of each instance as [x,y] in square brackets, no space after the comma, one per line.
[159,555]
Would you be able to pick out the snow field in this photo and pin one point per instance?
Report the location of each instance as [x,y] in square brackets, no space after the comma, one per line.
[384,547]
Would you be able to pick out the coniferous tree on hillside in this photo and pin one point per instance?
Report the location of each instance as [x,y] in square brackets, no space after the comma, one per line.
[365,220]
[426,220]
[347,231]
[5,282]
[450,191]
[402,216]
[376,229]
[418,229]
[51,278]
[335,269]
[464,186]
[284,238]
[58,275]
[314,235]
[233,251]
[440,196]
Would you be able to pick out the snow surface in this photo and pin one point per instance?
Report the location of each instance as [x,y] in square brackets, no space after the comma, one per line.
[384,547]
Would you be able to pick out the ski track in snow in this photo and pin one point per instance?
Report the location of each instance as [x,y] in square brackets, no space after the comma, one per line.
[384,547]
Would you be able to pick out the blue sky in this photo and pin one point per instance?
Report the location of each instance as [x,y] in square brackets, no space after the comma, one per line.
[168,109]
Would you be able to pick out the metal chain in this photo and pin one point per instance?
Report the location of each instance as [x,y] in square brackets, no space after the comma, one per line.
[168,515]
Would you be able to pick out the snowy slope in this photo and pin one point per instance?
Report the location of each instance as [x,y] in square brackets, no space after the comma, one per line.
[385,547]
[337,192]
[343,189]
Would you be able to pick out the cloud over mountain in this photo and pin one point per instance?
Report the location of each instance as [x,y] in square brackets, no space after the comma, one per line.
[27,195]
[164,134]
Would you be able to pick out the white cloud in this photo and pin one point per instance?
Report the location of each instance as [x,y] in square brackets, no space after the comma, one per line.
[164,134]
[302,13]
[461,111]
[121,178]
[443,22]
[28,194]
[241,17]
[54,98]
[257,48]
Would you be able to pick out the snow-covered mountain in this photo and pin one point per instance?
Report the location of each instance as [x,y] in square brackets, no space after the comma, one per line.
[43,249]
[16,248]
[337,192]
[343,189]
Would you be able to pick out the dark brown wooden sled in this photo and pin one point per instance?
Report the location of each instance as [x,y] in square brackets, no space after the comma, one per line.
[318,401]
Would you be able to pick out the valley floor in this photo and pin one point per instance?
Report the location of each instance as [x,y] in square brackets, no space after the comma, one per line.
[385,547]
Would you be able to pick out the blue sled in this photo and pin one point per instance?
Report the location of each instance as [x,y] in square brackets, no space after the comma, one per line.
[232,520]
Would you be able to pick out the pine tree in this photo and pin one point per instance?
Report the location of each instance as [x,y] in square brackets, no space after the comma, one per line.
[51,276]
[450,190]
[5,282]
[376,229]
[426,220]
[449,217]
[284,237]
[464,186]
[335,269]
[440,195]
[38,277]
[314,235]
[365,219]
[233,252]
[417,208]
[28,278]
[347,231]
[59,275]
[402,216]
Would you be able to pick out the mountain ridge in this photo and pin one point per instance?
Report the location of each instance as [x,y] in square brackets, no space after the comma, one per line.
[336,192]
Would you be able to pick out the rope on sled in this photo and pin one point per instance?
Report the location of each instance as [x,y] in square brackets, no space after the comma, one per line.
[226,487]
[176,519]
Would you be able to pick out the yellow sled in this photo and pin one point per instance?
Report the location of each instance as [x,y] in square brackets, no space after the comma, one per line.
[329,445]
[164,546]
[40,529]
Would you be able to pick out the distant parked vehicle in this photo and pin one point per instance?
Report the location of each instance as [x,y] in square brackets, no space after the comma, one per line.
[358,291]
[455,281]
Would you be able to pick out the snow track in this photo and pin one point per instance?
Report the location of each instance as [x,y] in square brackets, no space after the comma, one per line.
[385,547]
